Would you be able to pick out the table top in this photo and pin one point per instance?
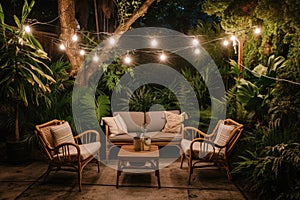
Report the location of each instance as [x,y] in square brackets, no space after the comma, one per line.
[128,151]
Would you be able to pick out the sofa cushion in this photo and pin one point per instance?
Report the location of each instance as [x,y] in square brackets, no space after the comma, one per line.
[113,125]
[163,137]
[155,120]
[122,138]
[173,122]
[133,120]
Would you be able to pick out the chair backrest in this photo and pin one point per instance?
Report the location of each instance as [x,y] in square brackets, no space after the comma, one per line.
[226,134]
[234,135]
[45,137]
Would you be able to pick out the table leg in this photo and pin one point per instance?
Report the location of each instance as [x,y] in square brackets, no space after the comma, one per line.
[157,173]
[118,173]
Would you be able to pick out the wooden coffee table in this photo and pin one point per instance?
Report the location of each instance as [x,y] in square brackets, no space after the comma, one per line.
[131,161]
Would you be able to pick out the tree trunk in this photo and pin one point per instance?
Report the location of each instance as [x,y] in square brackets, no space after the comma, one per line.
[66,10]
[139,13]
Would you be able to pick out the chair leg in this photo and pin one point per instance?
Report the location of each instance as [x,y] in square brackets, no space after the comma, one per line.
[190,166]
[226,167]
[190,174]
[98,162]
[47,173]
[80,179]
[182,157]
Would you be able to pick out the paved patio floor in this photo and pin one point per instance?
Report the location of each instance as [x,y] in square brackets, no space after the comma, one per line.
[25,182]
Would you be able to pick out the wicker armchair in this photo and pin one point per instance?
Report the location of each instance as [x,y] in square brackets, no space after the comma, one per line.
[65,152]
[215,148]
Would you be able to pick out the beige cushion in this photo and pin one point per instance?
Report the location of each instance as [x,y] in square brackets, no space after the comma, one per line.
[116,125]
[173,122]
[122,138]
[120,123]
[90,149]
[62,133]
[223,134]
[164,137]
[155,120]
[205,150]
[133,120]
[86,150]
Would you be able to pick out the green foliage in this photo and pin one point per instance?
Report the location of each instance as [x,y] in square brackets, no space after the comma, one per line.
[102,105]
[256,93]
[273,172]
[126,9]
[149,95]
[111,76]
[24,74]
[198,84]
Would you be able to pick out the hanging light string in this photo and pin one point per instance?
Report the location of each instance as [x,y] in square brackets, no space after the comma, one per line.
[269,77]
[153,40]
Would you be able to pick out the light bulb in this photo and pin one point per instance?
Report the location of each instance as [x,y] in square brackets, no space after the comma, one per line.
[162,57]
[154,43]
[127,59]
[225,43]
[82,52]
[257,31]
[95,58]
[112,41]
[75,38]
[27,29]
[62,47]
[195,42]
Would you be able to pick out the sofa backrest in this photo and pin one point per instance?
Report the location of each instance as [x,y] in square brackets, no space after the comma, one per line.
[133,120]
[156,120]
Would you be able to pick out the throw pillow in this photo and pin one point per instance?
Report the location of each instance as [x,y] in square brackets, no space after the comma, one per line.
[116,125]
[173,122]
[223,134]
[62,133]
[120,123]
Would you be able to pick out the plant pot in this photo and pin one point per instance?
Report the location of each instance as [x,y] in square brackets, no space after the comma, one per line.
[17,152]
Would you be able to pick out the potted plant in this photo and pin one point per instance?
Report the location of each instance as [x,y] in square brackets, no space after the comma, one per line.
[24,74]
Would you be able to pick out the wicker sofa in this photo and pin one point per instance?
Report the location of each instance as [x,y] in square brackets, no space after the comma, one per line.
[163,127]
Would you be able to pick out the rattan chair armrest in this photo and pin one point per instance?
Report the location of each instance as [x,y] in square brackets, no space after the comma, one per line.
[201,140]
[198,131]
[65,149]
[88,136]
[204,149]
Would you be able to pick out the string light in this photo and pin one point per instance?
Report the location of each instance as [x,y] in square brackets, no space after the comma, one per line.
[163,57]
[127,59]
[225,43]
[195,42]
[27,29]
[154,42]
[82,52]
[112,41]
[75,38]
[96,58]
[62,47]
[257,31]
